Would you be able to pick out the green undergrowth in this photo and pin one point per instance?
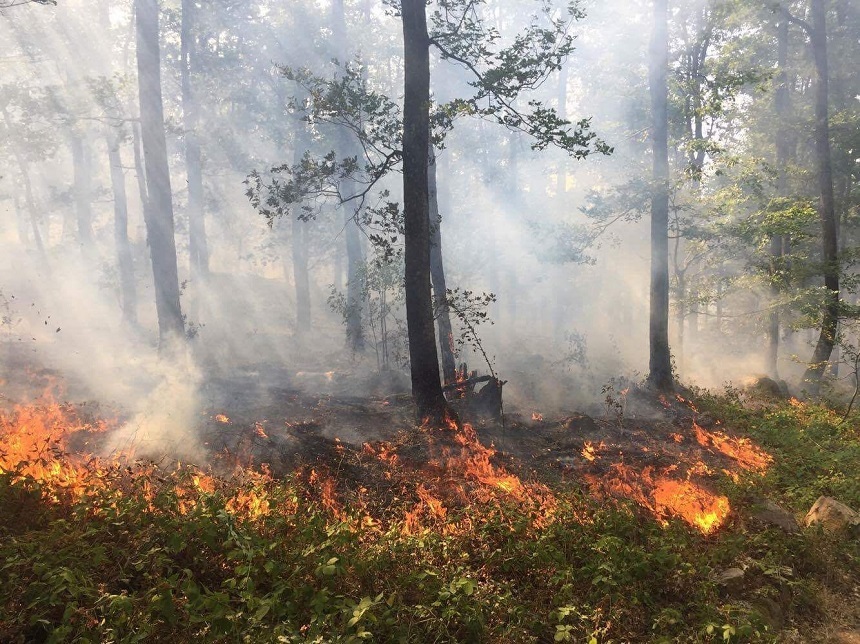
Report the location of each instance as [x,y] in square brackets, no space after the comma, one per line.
[154,557]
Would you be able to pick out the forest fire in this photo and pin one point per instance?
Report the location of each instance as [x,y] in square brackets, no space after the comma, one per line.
[741,450]
[663,496]
[669,477]
[34,444]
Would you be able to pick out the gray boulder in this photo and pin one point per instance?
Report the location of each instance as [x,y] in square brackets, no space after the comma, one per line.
[833,516]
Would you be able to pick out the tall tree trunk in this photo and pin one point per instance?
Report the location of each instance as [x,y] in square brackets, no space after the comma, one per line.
[299,248]
[354,282]
[354,255]
[83,194]
[426,383]
[125,263]
[826,206]
[660,363]
[301,278]
[783,107]
[561,180]
[437,275]
[28,192]
[159,219]
[197,243]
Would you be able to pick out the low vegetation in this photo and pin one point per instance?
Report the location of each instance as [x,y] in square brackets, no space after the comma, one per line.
[135,554]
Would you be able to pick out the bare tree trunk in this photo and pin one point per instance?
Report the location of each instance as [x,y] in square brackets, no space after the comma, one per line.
[783,107]
[660,375]
[561,182]
[28,193]
[159,218]
[437,276]
[127,287]
[301,277]
[354,255]
[826,206]
[426,383]
[197,243]
[83,193]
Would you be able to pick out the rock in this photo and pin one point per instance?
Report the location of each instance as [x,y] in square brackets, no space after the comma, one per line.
[767,388]
[771,612]
[731,580]
[833,516]
[770,513]
[705,420]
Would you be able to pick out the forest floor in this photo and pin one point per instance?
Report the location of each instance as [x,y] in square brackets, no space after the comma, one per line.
[319,514]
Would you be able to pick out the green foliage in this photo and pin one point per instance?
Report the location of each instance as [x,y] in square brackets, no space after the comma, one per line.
[156,557]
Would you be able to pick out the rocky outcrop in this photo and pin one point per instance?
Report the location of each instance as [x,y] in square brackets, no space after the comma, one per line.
[833,516]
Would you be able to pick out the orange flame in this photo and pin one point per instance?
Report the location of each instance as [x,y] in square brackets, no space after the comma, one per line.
[742,450]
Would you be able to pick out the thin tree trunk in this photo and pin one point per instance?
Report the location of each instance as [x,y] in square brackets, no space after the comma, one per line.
[197,243]
[826,206]
[300,275]
[83,193]
[354,282]
[28,193]
[426,383]
[561,181]
[783,107]
[125,263]
[660,363]
[159,219]
[437,276]
[354,255]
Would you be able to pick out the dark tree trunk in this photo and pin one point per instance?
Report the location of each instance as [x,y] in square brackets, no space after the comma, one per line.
[159,214]
[437,276]
[426,383]
[83,193]
[660,364]
[197,244]
[783,151]
[826,206]
[127,287]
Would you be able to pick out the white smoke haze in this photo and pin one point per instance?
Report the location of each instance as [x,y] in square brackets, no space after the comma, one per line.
[561,329]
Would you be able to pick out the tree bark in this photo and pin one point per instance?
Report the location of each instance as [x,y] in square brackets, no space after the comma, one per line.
[28,193]
[83,193]
[660,364]
[426,383]
[125,263]
[437,275]
[300,275]
[197,243]
[159,215]
[826,206]
[354,255]
[783,106]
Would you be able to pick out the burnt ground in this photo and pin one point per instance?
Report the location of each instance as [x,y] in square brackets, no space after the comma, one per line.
[289,420]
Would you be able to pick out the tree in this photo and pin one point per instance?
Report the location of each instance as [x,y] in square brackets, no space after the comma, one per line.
[497,76]
[817,33]
[426,384]
[197,245]
[159,214]
[660,363]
